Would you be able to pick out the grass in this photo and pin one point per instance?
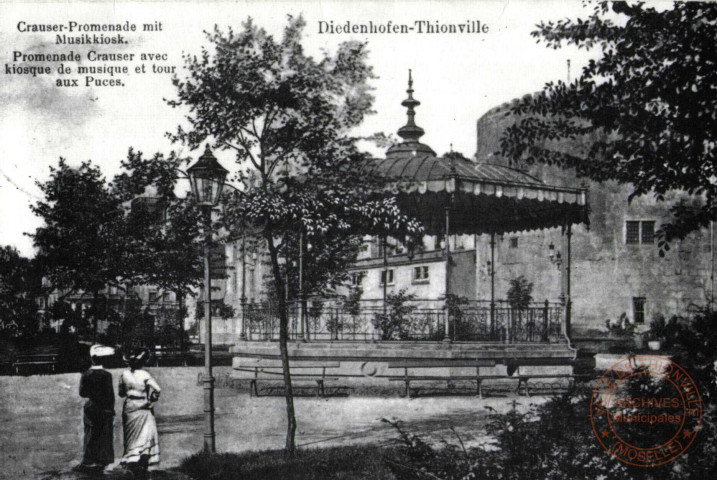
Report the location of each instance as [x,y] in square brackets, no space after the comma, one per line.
[345,463]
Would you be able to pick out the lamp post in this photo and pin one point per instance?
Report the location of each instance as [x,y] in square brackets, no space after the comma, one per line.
[207,178]
[557,259]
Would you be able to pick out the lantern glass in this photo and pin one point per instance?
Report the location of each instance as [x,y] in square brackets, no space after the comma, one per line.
[207,177]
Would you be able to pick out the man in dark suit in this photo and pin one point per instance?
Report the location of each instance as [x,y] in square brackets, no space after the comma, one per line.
[99,410]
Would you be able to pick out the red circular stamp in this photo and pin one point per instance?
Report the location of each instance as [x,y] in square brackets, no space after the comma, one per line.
[646,410]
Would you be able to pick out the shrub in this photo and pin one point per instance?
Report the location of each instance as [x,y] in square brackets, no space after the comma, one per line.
[555,440]
[396,322]
[463,327]
[334,324]
[622,328]
[520,293]
[657,328]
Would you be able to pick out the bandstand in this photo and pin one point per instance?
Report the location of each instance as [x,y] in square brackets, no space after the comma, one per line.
[450,195]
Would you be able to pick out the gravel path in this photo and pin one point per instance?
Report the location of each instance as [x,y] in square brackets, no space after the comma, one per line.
[42,420]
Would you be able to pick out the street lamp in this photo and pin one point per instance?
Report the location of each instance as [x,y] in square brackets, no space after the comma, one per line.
[554,256]
[207,178]
[557,259]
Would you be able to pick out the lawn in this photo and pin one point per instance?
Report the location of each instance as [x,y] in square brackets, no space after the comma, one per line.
[42,420]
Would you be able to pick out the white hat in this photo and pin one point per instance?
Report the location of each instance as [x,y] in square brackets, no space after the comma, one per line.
[101,351]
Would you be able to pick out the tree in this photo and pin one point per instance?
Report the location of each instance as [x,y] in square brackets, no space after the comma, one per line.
[20,283]
[646,106]
[82,243]
[287,117]
[326,260]
[166,233]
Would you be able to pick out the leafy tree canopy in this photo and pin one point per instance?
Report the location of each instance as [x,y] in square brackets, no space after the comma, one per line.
[20,282]
[647,106]
[288,117]
[165,231]
[81,244]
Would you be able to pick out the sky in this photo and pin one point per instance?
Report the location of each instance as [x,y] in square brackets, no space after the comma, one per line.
[457,77]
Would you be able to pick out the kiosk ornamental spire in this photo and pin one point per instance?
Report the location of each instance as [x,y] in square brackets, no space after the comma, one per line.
[410,132]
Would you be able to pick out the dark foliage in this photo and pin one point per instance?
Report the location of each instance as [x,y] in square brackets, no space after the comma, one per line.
[345,463]
[20,284]
[646,107]
[520,293]
[81,244]
[395,324]
[556,441]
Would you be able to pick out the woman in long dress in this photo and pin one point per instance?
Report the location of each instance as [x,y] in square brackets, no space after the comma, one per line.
[141,391]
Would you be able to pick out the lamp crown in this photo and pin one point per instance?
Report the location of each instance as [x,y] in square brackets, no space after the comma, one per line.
[207,176]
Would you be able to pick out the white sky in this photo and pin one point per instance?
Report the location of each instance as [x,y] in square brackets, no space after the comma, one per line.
[457,78]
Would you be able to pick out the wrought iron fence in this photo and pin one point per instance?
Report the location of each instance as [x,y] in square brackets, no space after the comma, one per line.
[541,322]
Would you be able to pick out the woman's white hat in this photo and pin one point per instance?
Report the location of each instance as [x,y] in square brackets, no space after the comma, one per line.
[101,351]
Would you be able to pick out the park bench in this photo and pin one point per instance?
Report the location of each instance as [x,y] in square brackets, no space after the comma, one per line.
[298,380]
[478,379]
[170,356]
[432,363]
[523,379]
[298,383]
[43,362]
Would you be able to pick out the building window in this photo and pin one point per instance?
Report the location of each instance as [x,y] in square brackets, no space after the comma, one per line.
[632,232]
[639,232]
[513,242]
[153,297]
[420,274]
[647,234]
[384,274]
[638,309]
[356,279]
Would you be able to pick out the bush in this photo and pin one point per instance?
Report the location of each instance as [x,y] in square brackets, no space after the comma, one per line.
[520,293]
[657,328]
[463,328]
[555,440]
[622,328]
[395,324]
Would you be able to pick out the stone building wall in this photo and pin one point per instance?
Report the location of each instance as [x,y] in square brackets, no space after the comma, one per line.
[607,272]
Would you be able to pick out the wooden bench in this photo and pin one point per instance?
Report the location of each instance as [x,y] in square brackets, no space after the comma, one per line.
[430,363]
[478,379]
[523,379]
[48,360]
[170,355]
[273,368]
[320,386]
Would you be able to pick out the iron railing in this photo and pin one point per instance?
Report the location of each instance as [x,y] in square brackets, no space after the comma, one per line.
[540,322]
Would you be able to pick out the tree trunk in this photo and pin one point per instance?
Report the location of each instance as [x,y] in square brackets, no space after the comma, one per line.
[283,345]
[94,317]
[180,317]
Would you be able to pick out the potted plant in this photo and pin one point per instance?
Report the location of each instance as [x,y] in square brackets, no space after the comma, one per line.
[656,334]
